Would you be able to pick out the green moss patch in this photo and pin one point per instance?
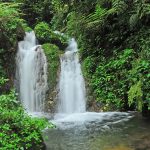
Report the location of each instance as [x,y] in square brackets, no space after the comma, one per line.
[52,53]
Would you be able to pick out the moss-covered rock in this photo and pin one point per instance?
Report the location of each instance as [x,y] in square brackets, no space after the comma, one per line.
[52,53]
[44,34]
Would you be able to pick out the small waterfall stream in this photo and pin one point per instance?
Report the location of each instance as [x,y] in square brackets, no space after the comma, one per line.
[71,109]
[71,86]
[31,74]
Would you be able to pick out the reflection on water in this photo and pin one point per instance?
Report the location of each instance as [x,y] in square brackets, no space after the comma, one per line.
[108,134]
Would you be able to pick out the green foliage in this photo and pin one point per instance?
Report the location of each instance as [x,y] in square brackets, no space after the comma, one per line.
[26,27]
[112,35]
[36,11]
[96,19]
[43,32]
[12,10]
[45,35]
[104,80]
[10,24]
[52,53]
[60,9]
[73,25]
[17,129]
[140,73]
[10,16]
[135,95]
[11,30]
[140,13]
[3,81]
[88,67]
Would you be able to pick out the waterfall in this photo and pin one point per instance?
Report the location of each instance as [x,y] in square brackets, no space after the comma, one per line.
[71,85]
[31,74]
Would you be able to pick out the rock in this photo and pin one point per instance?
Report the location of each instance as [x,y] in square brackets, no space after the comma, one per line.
[50,102]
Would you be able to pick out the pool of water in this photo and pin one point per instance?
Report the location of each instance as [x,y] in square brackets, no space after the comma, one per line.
[99,131]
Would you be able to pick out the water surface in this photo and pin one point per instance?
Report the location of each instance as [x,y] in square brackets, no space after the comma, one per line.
[106,131]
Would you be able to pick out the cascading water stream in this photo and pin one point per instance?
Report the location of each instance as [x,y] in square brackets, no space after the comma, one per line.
[31,74]
[72,94]
[72,97]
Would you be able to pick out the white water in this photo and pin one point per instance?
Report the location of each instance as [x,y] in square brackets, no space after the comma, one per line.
[71,86]
[31,74]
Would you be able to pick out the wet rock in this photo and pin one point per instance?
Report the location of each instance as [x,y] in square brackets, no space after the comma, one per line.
[94,106]
[51,102]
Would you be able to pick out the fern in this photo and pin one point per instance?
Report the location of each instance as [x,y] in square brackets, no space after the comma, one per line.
[140,9]
[135,95]
[97,18]
[119,6]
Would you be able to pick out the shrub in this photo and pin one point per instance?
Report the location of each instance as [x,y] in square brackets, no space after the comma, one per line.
[46,35]
[36,11]
[43,32]
[18,130]
[11,31]
[110,81]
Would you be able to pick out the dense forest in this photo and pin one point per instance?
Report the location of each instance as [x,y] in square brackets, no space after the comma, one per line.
[114,47]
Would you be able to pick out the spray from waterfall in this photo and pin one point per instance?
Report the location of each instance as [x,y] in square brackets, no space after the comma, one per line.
[71,85]
[31,74]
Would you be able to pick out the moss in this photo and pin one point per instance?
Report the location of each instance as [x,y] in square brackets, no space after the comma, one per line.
[52,53]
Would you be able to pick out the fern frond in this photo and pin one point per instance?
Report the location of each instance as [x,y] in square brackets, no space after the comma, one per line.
[119,6]
[140,10]
[97,18]
[135,95]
